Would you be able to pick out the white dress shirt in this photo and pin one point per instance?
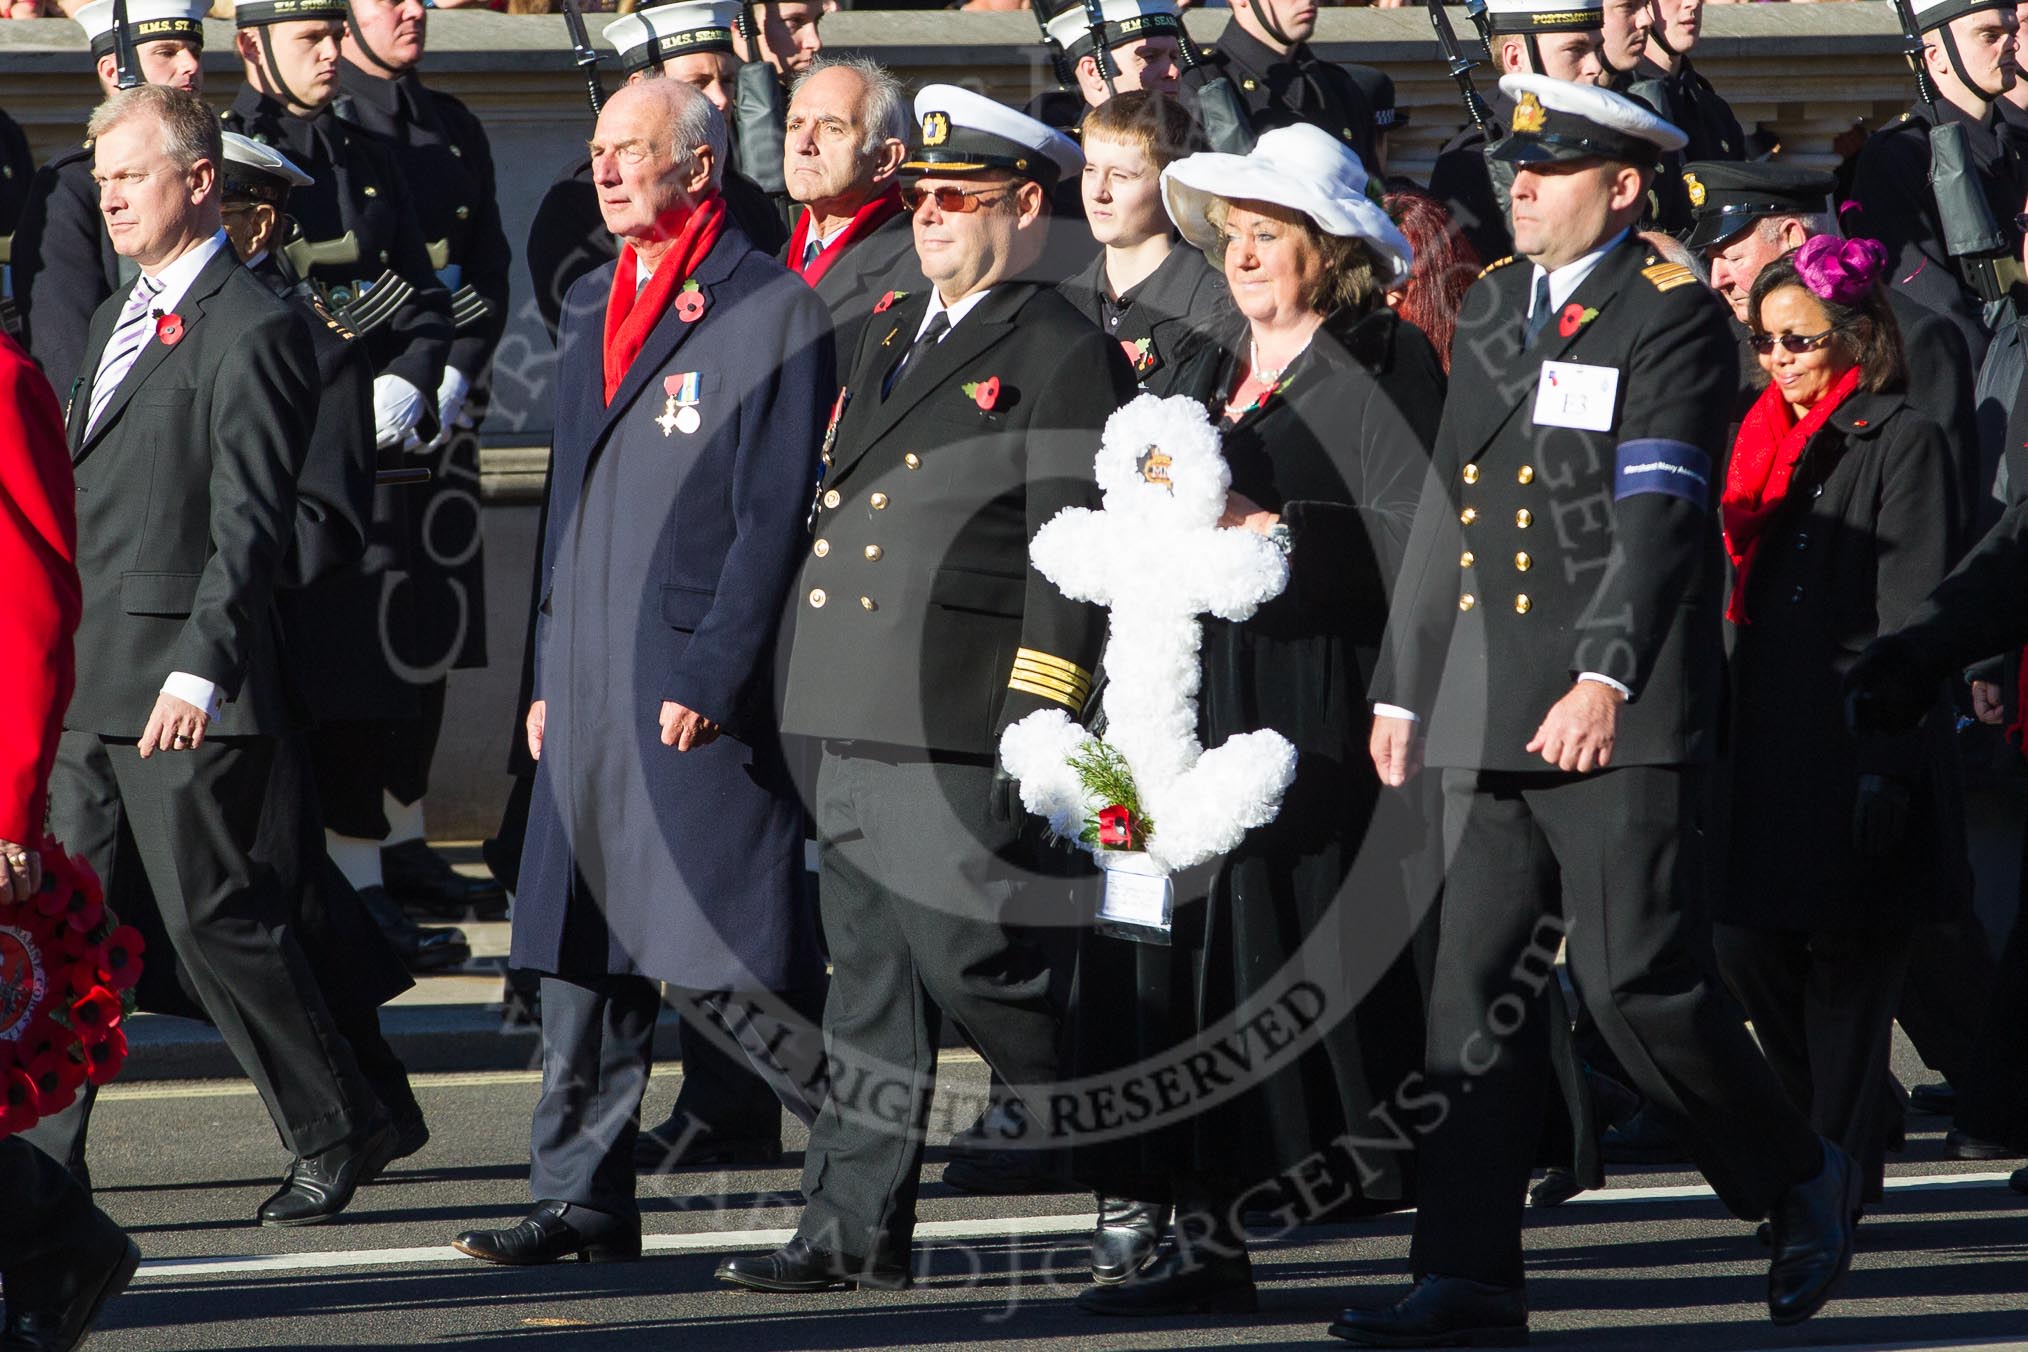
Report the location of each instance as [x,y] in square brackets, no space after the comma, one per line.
[955,313]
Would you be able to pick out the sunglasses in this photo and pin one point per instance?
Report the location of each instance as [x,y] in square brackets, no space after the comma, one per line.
[1797,343]
[952,201]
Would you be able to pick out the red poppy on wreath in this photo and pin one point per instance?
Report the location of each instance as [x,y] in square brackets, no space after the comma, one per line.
[97,1016]
[880,306]
[169,328]
[123,950]
[104,1058]
[1573,318]
[20,1108]
[1116,827]
[58,1076]
[690,303]
[985,393]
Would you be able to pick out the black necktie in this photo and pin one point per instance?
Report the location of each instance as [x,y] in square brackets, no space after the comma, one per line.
[1538,317]
[939,325]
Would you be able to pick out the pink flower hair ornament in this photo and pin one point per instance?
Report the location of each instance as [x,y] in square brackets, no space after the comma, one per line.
[1842,271]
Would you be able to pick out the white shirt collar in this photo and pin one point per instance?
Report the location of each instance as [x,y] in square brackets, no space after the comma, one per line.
[173,281]
[1563,282]
[956,312]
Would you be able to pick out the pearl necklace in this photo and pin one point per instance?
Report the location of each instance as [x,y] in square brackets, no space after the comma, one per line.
[1263,374]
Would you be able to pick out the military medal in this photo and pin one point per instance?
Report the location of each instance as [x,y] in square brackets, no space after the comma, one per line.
[680,413]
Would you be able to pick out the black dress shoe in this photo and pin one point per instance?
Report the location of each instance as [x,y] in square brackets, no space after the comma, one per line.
[1182,1281]
[673,1146]
[1442,1312]
[422,881]
[1940,1098]
[800,1266]
[546,1235]
[1813,1228]
[318,1188]
[1007,1173]
[53,1302]
[422,948]
[2018,1181]
[1965,1146]
[1127,1236]
[1556,1186]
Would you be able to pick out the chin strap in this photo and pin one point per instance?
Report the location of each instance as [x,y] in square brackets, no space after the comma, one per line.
[1273,27]
[281,87]
[394,72]
[1950,46]
[1660,37]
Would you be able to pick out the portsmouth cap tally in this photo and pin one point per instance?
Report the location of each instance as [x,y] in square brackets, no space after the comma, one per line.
[959,132]
[1936,13]
[659,33]
[259,171]
[1544,16]
[147,21]
[1125,21]
[1726,198]
[1300,167]
[258,13]
[1557,120]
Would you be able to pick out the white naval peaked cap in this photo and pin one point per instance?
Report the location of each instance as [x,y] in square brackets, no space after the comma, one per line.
[959,132]
[1301,167]
[647,37]
[1544,16]
[1936,13]
[1125,20]
[251,164]
[1557,120]
[147,21]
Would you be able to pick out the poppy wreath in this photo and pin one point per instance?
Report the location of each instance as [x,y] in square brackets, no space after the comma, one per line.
[67,973]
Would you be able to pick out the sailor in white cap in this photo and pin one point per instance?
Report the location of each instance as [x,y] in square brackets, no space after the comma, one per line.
[1556,38]
[63,264]
[1140,37]
[970,414]
[1571,554]
[1969,55]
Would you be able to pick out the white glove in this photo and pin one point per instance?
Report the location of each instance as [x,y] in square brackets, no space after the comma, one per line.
[451,393]
[397,408]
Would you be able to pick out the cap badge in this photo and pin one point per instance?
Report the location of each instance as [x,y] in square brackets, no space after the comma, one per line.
[1153,466]
[1528,114]
[936,129]
[1695,189]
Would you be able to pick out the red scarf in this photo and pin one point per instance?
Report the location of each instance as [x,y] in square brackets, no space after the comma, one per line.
[631,312]
[1764,460]
[863,223]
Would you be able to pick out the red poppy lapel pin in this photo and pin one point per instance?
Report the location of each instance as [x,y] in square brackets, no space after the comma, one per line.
[1573,318]
[169,328]
[690,303]
[882,305]
[985,393]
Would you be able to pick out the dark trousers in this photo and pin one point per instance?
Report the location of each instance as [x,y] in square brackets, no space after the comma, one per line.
[47,1212]
[1617,853]
[191,820]
[1993,1096]
[723,1093]
[1822,1006]
[597,1051]
[1950,977]
[914,894]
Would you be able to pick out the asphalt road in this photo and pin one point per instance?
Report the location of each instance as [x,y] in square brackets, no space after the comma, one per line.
[1653,1264]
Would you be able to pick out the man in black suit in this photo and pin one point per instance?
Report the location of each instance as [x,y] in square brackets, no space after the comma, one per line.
[187,433]
[971,417]
[1567,549]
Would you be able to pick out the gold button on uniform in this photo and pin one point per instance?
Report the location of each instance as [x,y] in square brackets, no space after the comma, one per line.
[459,151]
[1469,515]
[1524,518]
[1522,562]
[821,548]
[1467,559]
[817,598]
[879,500]
[1526,474]
[1471,474]
[912,460]
[873,553]
[831,499]
[1522,605]
[464,213]
[1467,601]
[866,603]
[372,191]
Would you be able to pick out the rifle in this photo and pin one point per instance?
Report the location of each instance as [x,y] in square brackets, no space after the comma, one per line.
[1064,76]
[1970,235]
[1475,10]
[1227,126]
[1101,52]
[585,55]
[1461,68]
[126,65]
[760,118]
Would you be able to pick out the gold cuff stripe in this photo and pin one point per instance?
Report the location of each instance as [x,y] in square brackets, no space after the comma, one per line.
[1067,691]
[1072,679]
[1046,662]
[1018,684]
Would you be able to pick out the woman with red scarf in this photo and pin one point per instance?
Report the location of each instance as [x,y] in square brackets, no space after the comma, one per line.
[1840,520]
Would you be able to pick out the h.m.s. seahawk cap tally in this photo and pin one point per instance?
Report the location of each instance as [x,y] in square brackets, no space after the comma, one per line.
[648,37]
[959,132]
[1557,120]
[1727,198]
[1125,21]
[1936,13]
[260,13]
[147,21]
[259,171]
[1544,16]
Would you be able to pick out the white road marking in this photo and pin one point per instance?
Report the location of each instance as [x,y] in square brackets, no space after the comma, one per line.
[1008,1227]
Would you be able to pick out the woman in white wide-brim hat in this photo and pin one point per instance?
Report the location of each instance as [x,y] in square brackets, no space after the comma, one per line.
[1328,404]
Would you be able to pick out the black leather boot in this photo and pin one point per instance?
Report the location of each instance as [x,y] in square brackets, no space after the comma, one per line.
[1127,1236]
[319,1187]
[1205,1270]
[1813,1228]
[53,1301]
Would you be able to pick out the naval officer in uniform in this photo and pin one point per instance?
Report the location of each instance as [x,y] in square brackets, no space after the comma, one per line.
[970,417]
[1557,635]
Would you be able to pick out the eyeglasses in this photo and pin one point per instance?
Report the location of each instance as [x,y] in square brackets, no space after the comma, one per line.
[1798,343]
[952,201]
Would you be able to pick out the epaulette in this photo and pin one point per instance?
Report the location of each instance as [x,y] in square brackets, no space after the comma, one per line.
[1496,264]
[1667,276]
[323,310]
